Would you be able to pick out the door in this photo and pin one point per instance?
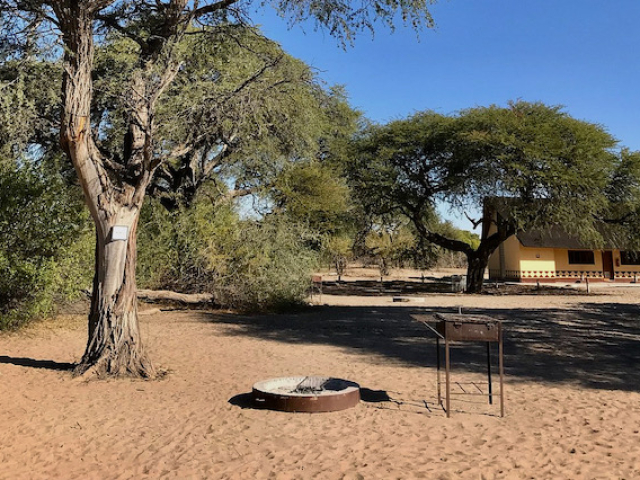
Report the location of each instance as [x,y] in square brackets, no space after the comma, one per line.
[607,264]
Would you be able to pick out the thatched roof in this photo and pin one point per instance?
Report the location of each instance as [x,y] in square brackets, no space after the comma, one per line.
[557,237]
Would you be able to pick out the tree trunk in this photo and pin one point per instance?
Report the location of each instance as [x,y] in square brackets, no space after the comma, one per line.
[114,347]
[477,262]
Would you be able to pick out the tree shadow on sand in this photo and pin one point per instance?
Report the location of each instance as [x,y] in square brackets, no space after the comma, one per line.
[373,288]
[594,345]
[33,363]
[434,285]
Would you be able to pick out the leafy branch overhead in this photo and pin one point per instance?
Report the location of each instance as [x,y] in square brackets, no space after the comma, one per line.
[221,119]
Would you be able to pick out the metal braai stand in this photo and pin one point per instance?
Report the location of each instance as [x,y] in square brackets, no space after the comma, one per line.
[466,328]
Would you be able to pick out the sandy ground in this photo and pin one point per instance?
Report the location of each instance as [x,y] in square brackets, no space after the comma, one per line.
[572,395]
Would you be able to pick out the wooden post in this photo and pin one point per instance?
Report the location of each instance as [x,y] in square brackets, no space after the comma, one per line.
[501,363]
[489,373]
[447,361]
[438,369]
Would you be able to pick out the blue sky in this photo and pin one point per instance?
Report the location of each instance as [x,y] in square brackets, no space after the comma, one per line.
[583,54]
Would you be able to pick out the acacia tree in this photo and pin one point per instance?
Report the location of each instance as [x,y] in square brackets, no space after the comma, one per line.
[115,187]
[248,122]
[524,166]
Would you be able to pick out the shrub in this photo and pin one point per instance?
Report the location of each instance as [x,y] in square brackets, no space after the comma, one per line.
[268,266]
[179,250]
[247,264]
[46,245]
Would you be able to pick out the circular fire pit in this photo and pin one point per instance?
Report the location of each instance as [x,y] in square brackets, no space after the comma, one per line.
[306,394]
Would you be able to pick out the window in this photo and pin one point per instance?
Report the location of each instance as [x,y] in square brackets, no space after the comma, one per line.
[630,258]
[581,257]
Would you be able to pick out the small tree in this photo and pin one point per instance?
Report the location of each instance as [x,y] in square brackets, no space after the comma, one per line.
[390,244]
[338,249]
[523,166]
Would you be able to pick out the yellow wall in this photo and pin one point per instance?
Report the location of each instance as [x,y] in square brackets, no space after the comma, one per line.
[512,249]
[537,262]
[524,262]
[624,271]
[560,259]
[562,262]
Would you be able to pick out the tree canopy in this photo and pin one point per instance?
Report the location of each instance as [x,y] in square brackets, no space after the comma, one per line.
[222,122]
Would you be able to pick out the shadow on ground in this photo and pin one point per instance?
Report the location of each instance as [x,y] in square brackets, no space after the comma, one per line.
[33,363]
[373,288]
[595,345]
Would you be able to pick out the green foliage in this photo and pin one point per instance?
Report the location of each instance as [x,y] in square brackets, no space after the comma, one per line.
[552,167]
[246,264]
[239,110]
[234,86]
[248,112]
[268,267]
[622,219]
[344,19]
[337,250]
[441,257]
[393,244]
[313,194]
[449,230]
[526,166]
[178,250]
[46,245]
[29,106]
[555,166]
[147,20]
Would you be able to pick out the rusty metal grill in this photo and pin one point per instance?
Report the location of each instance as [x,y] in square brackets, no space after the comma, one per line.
[466,328]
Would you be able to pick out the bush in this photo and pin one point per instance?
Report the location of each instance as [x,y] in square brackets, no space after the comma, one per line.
[268,266]
[246,264]
[180,250]
[46,245]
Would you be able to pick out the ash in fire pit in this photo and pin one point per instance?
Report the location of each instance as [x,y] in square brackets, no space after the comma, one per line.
[306,394]
[318,385]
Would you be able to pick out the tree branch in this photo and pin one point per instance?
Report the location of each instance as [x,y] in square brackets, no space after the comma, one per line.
[111,22]
[212,8]
[233,194]
[475,223]
[98,5]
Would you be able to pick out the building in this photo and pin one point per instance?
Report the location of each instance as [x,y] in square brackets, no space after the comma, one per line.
[554,256]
